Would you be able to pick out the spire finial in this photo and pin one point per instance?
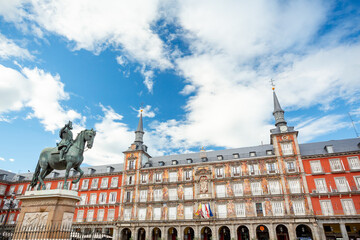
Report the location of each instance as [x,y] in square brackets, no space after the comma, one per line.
[272,84]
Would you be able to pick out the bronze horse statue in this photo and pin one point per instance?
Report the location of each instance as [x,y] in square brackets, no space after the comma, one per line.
[49,159]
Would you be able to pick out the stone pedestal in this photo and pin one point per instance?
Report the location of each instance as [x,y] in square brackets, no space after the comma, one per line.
[47,212]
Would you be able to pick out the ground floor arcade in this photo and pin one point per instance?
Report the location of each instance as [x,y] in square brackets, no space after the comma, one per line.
[339,228]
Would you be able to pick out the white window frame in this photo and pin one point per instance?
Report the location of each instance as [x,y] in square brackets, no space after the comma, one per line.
[75,186]
[20,189]
[158,177]
[326,208]
[173,177]
[316,167]
[354,163]
[294,185]
[219,172]
[189,211]
[357,181]
[277,208]
[221,211]
[85,184]
[348,206]
[287,148]
[83,198]
[143,195]
[114,182]
[157,213]
[173,194]
[238,189]
[262,209]
[130,179]
[110,215]
[172,212]
[112,197]
[102,197]
[127,214]
[128,196]
[144,178]
[299,207]
[158,194]
[240,210]
[94,183]
[253,169]
[100,215]
[236,171]
[188,193]
[142,214]
[321,186]
[291,170]
[342,187]
[274,187]
[220,191]
[93,199]
[90,215]
[188,175]
[272,168]
[104,183]
[80,216]
[336,165]
[256,188]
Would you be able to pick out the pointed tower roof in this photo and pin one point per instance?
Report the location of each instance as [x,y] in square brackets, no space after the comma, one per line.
[278,112]
[139,131]
[277,107]
[140,125]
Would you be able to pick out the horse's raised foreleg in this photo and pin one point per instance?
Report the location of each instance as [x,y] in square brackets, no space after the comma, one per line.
[40,178]
[81,173]
[68,167]
[47,172]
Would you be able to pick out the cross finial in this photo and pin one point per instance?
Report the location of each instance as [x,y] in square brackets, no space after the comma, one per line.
[272,82]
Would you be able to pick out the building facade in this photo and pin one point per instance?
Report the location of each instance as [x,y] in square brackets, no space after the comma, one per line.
[282,190]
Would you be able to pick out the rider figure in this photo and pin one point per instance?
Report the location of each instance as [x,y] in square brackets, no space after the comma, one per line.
[66,140]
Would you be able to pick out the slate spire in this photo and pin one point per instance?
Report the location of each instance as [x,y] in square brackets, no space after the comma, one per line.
[278,112]
[139,133]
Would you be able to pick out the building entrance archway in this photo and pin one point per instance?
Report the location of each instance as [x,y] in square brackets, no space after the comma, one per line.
[224,233]
[282,232]
[156,234]
[172,233]
[303,232]
[262,233]
[125,234]
[243,233]
[188,233]
[206,233]
[141,234]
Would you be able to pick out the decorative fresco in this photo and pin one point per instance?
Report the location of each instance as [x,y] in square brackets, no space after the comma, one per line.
[149,211]
[165,175]
[227,170]
[164,212]
[180,211]
[267,206]
[231,209]
[180,192]
[249,206]
[180,174]
[165,194]
[150,194]
[229,190]
[264,185]
[151,174]
[247,187]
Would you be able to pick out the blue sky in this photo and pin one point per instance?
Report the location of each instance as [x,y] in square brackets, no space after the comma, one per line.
[200,70]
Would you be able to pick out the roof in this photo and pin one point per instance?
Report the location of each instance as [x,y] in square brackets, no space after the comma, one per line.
[343,145]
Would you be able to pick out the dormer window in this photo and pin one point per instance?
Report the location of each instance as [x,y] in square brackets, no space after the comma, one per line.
[55,174]
[161,163]
[204,159]
[252,154]
[269,152]
[189,160]
[109,169]
[19,178]
[235,155]
[329,149]
[91,171]
[220,157]
[174,162]
[148,164]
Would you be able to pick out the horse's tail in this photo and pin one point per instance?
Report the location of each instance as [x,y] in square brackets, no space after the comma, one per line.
[36,175]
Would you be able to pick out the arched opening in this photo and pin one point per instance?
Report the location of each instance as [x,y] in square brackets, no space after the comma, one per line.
[262,233]
[243,233]
[206,233]
[282,232]
[224,233]
[172,233]
[303,231]
[188,233]
[156,234]
[125,234]
[141,234]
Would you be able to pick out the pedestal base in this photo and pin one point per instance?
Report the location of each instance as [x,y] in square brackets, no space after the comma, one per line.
[46,209]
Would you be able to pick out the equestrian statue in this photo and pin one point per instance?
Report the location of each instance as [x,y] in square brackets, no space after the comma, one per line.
[68,154]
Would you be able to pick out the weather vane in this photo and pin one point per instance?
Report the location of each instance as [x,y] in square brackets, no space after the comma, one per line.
[272,82]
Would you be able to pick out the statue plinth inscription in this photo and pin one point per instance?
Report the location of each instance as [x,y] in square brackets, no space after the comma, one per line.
[47,208]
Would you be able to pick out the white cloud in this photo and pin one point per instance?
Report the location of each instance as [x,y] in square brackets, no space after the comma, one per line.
[38,90]
[146,111]
[149,75]
[10,49]
[11,159]
[2,159]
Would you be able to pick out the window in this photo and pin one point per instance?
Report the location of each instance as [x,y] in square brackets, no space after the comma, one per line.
[240,210]
[188,193]
[109,169]
[75,186]
[348,206]
[11,218]
[85,184]
[142,214]
[93,198]
[252,154]
[128,196]
[219,172]
[157,213]
[144,178]
[277,208]
[204,159]
[238,189]
[321,185]
[102,198]
[94,183]
[222,213]
[20,189]
[130,180]
[111,215]
[329,149]
[104,182]
[274,187]
[336,165]
[189,212]
[174,162]
[173,194]
[158,177]
[188,175]
[2,189]
[189,160]
[342,184]
[259,209]
[60,185]
[357,181]
[253,169]
[299,207]
[157,195]
[287,149]
[80,215]
[354,163]
[127,214]
[235,155]
[220,157]
[131,164]
[173,176]
[294,185]
[83,199]
[100,215]
[256,188]
[112,197]
[48,185]
[316,167]
[236,170]
[11,190]
[172,213]
[271,168]
[143,195]
[220,191]
[114,182]
[269,152]
[326,207]
[161,163]
[291,166]
[90,215]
